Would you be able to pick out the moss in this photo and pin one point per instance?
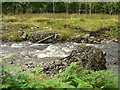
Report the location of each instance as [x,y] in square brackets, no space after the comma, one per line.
[11,36]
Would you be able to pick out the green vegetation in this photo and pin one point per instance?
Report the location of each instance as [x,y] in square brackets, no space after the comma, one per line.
[61,7]
[74,76]
[67,25]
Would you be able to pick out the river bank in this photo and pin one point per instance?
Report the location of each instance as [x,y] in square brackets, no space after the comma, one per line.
[72,27]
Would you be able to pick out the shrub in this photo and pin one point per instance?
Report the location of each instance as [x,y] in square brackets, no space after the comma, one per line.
[81,78]
[74,76]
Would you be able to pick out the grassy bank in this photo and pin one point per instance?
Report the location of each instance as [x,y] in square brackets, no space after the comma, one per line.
[67,25]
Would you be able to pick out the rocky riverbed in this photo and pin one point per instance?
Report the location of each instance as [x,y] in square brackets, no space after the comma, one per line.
[30,55]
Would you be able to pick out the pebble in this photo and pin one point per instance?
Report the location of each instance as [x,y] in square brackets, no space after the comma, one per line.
[26,58]
[104,53]
[86,36]
[47,72]
[23,53]
[30,62]
[11,62]
[26,63]
[57,62]
[60,70]
[64,63]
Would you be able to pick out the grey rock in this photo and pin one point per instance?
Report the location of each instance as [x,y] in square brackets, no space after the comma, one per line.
[47,72]
[31,66]
[26,64]
[30,63]
[52,62]
[60,70]
[104,53]
[99,40]
[90,57]
[95,41]
[57,62]
[64,63]
[57,68]
[91,39]
[86,36]
[77,38]
[11,62]
[51,67]
[24,36]
[45,37]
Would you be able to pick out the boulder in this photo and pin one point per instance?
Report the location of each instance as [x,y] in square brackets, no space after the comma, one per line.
[89,56]
[77,38]
[45,37]
[81,39]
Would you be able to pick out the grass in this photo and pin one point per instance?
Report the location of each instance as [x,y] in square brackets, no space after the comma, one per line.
[66,25]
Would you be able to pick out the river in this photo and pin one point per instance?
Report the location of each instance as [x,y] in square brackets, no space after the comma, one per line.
[27,51]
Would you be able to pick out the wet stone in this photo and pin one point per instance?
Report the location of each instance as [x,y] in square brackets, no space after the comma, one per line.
[60,70]
[47,72]
[11,62]
[57,68]
[86,36]
[30,62]
[64,63]
[78,38]
[57,62]
[24,36]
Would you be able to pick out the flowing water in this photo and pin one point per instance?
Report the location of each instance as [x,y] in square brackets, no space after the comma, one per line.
[27,51]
